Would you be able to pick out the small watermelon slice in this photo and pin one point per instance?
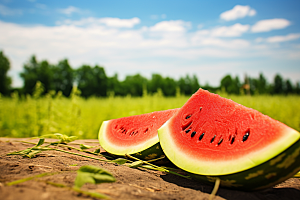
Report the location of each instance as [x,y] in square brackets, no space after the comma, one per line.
[213,137]
[135,135]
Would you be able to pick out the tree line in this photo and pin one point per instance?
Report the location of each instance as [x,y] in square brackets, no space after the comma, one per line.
[93,81]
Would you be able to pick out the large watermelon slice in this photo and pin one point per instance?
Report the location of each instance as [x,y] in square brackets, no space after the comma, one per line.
[212,137]
[135,135]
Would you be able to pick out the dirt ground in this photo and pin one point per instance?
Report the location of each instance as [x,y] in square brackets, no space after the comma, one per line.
[132,183]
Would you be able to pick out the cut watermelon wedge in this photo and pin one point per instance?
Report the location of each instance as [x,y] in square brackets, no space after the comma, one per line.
[135,135]
[212,137]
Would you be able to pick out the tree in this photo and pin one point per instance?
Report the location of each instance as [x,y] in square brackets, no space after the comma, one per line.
[133,85]
[91,81]
[156,82]
[114,86]
[35,71]
[5,81]
[63,77]
[297,88]
[169,87]
[289,89]
[188,85]
[226,83]
[262,84]
[278,85]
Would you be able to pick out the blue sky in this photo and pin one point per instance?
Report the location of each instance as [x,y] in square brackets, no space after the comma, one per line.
[207,38]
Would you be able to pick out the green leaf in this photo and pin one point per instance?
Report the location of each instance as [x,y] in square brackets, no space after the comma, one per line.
[41,142]
[97,151]
[92,174]
[63,138]
[136,164]
[149,167]
[83,146]
[120,161]
[91,194]
[33,153]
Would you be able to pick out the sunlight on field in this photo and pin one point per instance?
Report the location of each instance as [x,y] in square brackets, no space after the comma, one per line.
[34,116]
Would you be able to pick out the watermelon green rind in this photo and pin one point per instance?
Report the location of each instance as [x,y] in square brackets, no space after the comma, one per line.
[265,175]
[198,166]
[223,150]
[119,150]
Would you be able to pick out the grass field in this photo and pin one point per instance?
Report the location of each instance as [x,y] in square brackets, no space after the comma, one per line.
[34,116]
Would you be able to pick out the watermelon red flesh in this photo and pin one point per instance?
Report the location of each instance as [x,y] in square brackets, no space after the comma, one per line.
[130,135]
[235,138]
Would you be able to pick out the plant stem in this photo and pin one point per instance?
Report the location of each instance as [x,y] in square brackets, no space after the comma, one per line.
[80,155]
[33,177]
[157,167]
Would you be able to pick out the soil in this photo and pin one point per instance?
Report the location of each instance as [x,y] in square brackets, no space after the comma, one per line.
[132,183]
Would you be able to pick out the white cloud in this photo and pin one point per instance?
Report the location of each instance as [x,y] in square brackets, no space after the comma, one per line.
[159,48]
[108,21]
[285,38]
[69,10]
[227,44]
[230,31]
[171,26]
[269,25]
[116,22]
[5,11]
[237,12]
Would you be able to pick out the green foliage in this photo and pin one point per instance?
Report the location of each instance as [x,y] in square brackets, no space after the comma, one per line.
[63,77]
[5,81]
[30,152]
[188,85]
[92,174]
[91,81]
[31,117]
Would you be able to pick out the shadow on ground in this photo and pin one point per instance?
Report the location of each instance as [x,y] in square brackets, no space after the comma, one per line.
[267,194]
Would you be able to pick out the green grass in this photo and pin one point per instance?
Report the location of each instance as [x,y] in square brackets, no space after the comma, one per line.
[34,116]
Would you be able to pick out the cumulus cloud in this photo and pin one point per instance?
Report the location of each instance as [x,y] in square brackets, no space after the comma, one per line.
[102,41]
[230,31]
[108,42]
[237,12]
[285,38]
[108,21]
[172,26]
[69,10]
[269,25]
[5,11]
[217,42]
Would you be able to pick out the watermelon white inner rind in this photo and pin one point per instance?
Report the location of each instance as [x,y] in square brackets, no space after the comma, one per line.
[118,149]
[204,167]
[212,135]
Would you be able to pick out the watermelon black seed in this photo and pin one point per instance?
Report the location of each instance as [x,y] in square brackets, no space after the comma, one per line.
[213,139]
[220,141]
[200,108]
[245,137]
[193,134]
[201,136]
[188,116]
[188,130]
[187,125]
[232,140]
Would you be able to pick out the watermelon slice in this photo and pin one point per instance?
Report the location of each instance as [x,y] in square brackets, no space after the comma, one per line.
[135,135]
[213,137]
